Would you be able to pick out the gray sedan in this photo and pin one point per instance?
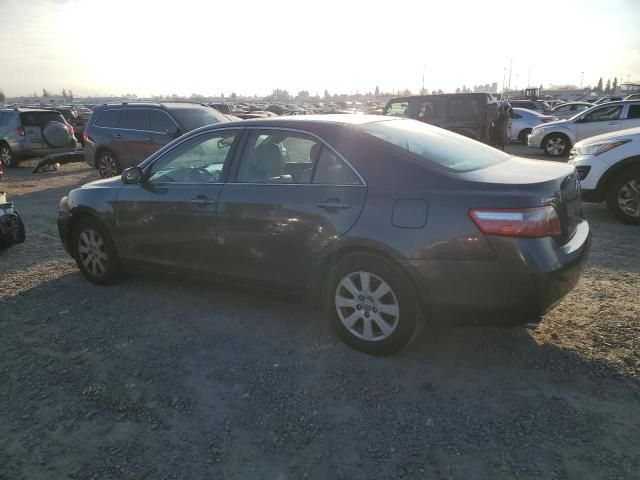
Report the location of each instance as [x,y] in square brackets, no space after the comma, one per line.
[389,223]
[568,110]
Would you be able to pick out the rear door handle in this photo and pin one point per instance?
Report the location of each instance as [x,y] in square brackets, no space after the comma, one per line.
[149,139]
[117,135]
[334,203]
[202,201]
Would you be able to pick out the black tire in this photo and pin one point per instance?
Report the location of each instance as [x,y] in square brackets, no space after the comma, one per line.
[95,253]
[618,188]
[551,145]
[522,136]
[7,157]
[107,164]
[402,298]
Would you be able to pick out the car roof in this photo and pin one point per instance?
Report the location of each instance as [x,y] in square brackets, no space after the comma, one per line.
[301,120]
[28,109]
[151,104]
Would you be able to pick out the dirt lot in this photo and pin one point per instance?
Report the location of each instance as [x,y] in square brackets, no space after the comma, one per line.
[160,377]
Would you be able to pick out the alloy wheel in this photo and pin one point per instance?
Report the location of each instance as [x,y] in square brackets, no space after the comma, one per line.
[629,198]
[367,306]
[108,167]
[93,252]
[555,146]
[5,156]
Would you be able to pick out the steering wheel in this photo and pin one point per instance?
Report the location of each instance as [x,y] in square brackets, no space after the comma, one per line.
[201,175]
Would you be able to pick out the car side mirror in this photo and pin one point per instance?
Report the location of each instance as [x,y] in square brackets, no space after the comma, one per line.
[174,132]
[132,176]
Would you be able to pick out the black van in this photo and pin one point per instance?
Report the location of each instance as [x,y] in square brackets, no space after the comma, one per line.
[469,114]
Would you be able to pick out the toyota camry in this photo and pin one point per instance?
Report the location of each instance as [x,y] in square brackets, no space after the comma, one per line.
[391,223]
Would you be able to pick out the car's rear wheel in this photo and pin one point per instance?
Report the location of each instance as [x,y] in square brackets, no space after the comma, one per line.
[623,196]
[556,145]
[372,304]
[108,165]
[523,136]
[7,157]
[95,253]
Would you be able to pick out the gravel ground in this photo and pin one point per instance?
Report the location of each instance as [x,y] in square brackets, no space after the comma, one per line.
[161,377]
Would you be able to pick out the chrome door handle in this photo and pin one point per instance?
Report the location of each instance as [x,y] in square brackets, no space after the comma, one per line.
[333,204]
[202,201]
[117,135]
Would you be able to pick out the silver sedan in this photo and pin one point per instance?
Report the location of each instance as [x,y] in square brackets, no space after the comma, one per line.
[523,121]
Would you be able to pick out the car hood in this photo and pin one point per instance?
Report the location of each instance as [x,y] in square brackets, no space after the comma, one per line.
[518,171]
[628,134]
[104,183]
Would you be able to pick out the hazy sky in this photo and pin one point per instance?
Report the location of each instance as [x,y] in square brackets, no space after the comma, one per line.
[185,46]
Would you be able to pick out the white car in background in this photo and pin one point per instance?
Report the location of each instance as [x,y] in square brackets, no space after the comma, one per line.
[609,169]
[556,138]
[523,121]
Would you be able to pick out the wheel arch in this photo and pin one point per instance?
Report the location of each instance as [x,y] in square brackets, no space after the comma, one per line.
[77,215]
[613,172]
[323,266]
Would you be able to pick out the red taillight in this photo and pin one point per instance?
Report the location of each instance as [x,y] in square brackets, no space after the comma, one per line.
[20,131]
[69,127]
[524,222]
[85,136]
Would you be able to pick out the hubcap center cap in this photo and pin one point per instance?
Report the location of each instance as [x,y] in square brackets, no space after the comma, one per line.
[367,305]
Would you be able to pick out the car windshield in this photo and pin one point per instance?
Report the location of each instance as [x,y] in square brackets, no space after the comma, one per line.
[195,117]
[436,145]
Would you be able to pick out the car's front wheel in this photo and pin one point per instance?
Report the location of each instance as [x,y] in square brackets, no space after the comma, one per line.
[523,136]
[7,157]
[95,253]
[372,304]
[556,145]
[108,165]
[623,196]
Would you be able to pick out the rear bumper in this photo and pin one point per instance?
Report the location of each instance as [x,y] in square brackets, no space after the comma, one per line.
[43,152]
[529,278]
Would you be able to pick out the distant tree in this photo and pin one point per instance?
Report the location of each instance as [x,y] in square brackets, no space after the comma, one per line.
[440,91]
[234,96]
[494,87]
[614,87]
[599,86]
[197,97]
[377,92]
[64,94]
[607,89]
[70,95]
[424,91]
[3,97]
[303,94]
[45,93]
[406,92]
[458,90]
[326,94]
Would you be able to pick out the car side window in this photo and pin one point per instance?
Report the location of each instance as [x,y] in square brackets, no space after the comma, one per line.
[160,122]
[278,157]
[634,111]
[430,109]
[604,114]
[4,119]
[198,160]
[398,109]
[136,119]
[108,119]
[332,170]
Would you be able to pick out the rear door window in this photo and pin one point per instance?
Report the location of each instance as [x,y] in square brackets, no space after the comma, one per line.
[332,170]
[108,119]
[431,109]
[136,119]
[39,119]
[634,111]
[462,108]
[160,122]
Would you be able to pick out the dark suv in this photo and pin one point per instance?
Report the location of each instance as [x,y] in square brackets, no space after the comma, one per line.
[33,132]
[122,135]
[469,114]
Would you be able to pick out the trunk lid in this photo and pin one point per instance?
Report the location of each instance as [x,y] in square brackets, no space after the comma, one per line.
[523,183]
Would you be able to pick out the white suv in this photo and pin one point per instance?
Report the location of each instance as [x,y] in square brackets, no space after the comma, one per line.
[609,169]
[556,138]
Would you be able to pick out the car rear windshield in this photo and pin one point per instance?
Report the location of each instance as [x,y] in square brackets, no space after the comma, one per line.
[195,117]
[34,119]
[436,145]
